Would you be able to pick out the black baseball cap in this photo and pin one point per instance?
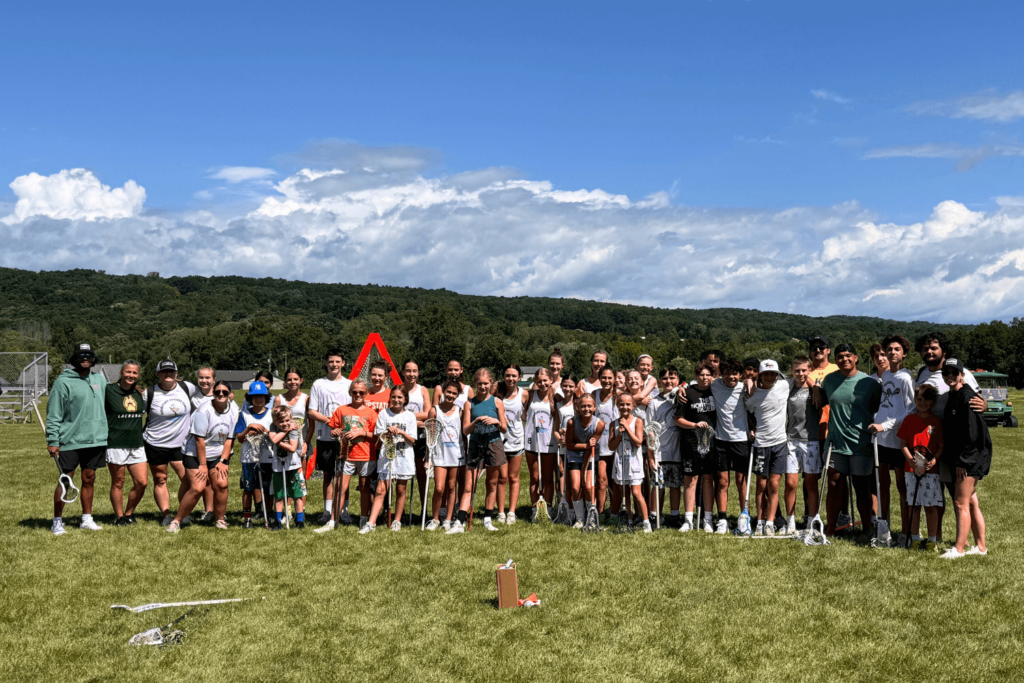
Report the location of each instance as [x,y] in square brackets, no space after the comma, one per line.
[953,363]
[166,365]
[818,341]
[83,350]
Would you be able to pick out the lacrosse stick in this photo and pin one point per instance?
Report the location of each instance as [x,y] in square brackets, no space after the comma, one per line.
[255,441]
[68,491]
[743,523]
[623,523]
[432,429]
[919,462]
[563,516]
[704,436]
[160,605]
[472,497]
[593,521]
[390,451]
[815,532]
[653,431]
[882,539]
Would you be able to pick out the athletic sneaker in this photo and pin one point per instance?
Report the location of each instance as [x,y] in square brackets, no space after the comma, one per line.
[326,527]
[58,527]
[325,517]
[367,528]
[186,521]
[647,526]
[501,518]
[433,524]
[247,524]
[221,524]
[446,525]
[174,527]
[975,550]
[685,527]
[915,545]
[791,528]
[344,517]
[930,545]
[510,518]
[952,554]
[578,525]
[722,527]
[275,526]
[396,525]
[769,529]
[456,528]
[706,526]
[90,525]
[300,525]
[759,531]
[206,516]
[843,520]
[121,521]
[488,525]
[131,519]
[168,518]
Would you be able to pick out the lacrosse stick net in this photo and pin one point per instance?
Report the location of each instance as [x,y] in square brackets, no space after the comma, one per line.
[432,435]
[704,438]
[563,516]
[68,491]
[814,534]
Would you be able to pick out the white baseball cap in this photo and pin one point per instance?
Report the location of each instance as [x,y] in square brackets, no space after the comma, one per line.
[770,366]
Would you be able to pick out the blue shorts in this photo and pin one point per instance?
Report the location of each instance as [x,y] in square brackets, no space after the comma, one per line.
[249,480]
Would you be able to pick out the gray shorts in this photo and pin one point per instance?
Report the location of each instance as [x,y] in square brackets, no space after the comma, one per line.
[858,465]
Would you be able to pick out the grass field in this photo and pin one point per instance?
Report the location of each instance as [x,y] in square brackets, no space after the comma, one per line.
[414,606]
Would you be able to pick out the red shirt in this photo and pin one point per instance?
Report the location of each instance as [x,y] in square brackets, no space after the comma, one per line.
[379,401]
[348,419]
[923,432]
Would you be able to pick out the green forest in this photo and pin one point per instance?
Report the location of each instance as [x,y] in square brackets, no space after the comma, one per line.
[238,323]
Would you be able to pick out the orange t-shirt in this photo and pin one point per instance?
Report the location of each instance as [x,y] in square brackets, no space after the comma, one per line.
[924,432]
[817,375]
[348,418]
[379,401]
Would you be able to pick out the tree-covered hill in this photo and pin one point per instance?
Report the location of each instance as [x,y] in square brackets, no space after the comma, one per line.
[237,323]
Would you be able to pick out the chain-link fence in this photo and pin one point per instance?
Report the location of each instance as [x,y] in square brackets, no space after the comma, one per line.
[23,377]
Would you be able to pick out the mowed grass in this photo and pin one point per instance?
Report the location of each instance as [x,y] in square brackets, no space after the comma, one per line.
[415,606]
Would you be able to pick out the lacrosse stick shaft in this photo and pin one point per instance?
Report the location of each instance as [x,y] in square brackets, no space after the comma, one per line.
[263,493]
[914,510]
[878,482]
[284,484]
[472,499]
[824,479]
[426,490]
[750,474]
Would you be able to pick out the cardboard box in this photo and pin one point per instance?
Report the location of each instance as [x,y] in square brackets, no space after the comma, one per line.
[508,587]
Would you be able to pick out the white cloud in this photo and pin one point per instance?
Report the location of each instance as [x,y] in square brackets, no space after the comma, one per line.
[74,194]
[831,96]
[491,232]
[969,156]
[987,106]
[241,174]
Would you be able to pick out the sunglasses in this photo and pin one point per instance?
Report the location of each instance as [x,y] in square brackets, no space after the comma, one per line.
[359,393]
[950,373]
[222,393]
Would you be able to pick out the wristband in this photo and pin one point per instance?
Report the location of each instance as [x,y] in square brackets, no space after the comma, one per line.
[224,462]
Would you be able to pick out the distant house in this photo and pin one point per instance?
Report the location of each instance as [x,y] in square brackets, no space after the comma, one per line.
[110,371]
[241,379]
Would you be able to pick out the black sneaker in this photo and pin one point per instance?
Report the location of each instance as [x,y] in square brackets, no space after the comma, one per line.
[131,519]
[275,526]
[300,525]
[121,521]
[247,524]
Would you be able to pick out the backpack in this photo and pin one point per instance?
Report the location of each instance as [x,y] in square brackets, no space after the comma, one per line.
[152,390]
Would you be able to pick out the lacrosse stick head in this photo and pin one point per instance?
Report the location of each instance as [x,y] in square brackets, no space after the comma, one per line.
[390,447]
[815,534]
[592,523]
[883,537]
[704,437]
[653,432]
[68,491]
[432,431]
[921,457]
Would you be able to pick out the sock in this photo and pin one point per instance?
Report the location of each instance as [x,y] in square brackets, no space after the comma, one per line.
[674,513]
[300,516]
[86,518]
[688,518]
[328,505]
[722,517]
[708,517]
[915,537]
[462,516]
[280,516]
[58,519]
[488,514]
[246,514]
[792,520]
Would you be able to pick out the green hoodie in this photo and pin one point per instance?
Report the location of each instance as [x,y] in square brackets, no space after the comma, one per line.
[75,414]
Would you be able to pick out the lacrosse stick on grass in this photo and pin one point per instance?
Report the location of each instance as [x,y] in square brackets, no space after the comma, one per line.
[743,523]
[390,451]
[652,432]
[815,532]
[921,457]
[563,516]
[432,429]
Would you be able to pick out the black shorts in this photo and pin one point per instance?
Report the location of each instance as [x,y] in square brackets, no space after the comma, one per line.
[191,462]
[92,458]
[267,472]
[327,455]
[772,457]
[575,466]
[735,453]
[977,466]
[157,455]
[419,447]
[673,474]
[486,454]
[893,457]
[694,464]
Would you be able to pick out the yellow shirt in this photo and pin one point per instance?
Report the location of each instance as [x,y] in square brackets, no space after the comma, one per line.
[816,375]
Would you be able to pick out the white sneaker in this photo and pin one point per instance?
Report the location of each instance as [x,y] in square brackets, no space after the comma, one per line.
[743,526]
[488,525]
[577,525]
[510,518]
[456,528]
[344,517]
[433,524]
[952,554]
[706,526]
[446,525]
[186,521]
[326,527]
[975,550]
[646,526]
[501,518]
[58,527]
[791,528]
[168,518]
[90,525]
[325,517]
[221,524]
[396,525]
[759,531]
[174,527]
[769,529]
[722,527]
[367,528]
[685,527]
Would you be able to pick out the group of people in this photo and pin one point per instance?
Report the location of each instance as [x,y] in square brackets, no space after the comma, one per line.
[599,449]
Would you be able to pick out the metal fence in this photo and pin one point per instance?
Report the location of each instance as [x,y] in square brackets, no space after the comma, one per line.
[23,381]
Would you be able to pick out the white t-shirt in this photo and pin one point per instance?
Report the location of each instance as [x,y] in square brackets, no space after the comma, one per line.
[731,413]
[662,410]
[897,402]
[283,460]
[213,427]
[246,418]
[403,464]
[769,408]
[326,396]
[935,379]
[169,416]
[199,399]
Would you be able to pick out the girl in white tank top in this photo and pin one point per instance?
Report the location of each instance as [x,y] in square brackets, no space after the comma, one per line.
[514,402]
[627,434]
[606,413]
[449,455]
[541,444]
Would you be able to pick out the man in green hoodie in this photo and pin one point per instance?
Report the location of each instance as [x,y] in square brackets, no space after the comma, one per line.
[76,430]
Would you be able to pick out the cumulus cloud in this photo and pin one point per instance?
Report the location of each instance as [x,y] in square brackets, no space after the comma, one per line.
[241,174]
[830,96]
[969,156]
[986,106]
[74,194]
[493,232]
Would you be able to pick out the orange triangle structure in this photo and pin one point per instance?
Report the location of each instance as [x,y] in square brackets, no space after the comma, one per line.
[374,341]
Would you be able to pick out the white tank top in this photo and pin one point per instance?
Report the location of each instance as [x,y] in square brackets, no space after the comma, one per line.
[514,438]
[415,404]
[539,432]
[449,451]
[463,397]
[606,412]
[589,388]
[628,463]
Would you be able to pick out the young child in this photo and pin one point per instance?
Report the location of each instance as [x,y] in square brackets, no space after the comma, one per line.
[399,425]
[353,425]
[449,456]
[699,413]
[661,409]
[254,418]
[582,433]
[803,416]
[648,384]
[921,439]
[483,421]
[627,435]
[288,479]
[566,410]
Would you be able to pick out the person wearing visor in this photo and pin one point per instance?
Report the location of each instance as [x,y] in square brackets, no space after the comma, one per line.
[76,431]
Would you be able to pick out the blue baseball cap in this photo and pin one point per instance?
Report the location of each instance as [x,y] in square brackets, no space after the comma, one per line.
[258,389]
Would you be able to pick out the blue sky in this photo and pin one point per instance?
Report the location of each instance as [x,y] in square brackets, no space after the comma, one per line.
[728,109]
